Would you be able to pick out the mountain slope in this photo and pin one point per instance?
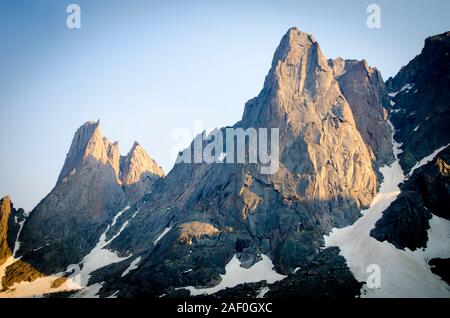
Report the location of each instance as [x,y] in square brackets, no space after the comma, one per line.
[367,95]
[420,96]
[67,224]
[421,101]
[138,172]
[325,177]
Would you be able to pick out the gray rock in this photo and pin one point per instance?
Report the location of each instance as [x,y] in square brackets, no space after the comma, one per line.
[325,178]
[138,173]
[67,224]
[367,95]
[422,110]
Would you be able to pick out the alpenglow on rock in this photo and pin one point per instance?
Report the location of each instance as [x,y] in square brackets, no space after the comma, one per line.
[67,224]
[365,92]
[325,178]
[138,172]
[10,219]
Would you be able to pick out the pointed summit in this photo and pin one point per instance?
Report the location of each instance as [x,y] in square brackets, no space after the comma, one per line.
[86,196]
[138,172]
[138,163]
[291,44]
[299,65]
[299,71]
[88,145]
[303,99]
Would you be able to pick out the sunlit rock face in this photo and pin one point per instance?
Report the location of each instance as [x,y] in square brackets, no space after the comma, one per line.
[66,224]
[138,172]
[325,177]
[367,96]
[10,219]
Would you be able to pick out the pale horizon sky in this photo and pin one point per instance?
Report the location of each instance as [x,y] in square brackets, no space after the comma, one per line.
[145,68]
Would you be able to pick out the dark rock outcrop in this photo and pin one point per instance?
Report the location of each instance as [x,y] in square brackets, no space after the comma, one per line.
[406,221]
[326,276]
[441,267]
[420,94]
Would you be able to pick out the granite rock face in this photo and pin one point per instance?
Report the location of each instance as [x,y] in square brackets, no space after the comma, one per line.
[325,177]
[183,229]
[10,219]
[367,95]
[326,276]
[421,108]
[138,173]
[67,224]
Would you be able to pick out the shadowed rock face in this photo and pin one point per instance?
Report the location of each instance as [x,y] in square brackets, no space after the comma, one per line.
[9,227]
[325,177]
[365,92]
[67,224]
[406,222]
[420,113]
[422,110]
[325,276]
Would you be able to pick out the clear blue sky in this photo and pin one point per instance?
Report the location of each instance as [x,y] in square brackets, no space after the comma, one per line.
[145,68]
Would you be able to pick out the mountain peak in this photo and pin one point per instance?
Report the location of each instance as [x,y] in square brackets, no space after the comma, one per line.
[88,144]
[6,198]
[138,172]
[299,70]
[136,164]
[292,44]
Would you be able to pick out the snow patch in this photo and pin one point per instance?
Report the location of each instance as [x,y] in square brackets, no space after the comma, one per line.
[263,292]
[99,257]
[405,87]
[221,157]
[426,160]
[404,273]
[134,265]
[37,288]
[167,229]
[17,243]
[237,275]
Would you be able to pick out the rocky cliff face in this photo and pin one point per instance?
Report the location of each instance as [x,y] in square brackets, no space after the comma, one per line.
[10,219]
[138,172]
[325,177]
[66,225]
[426,192]
[420,96]
[420,114]
[183,229]
[367,95]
